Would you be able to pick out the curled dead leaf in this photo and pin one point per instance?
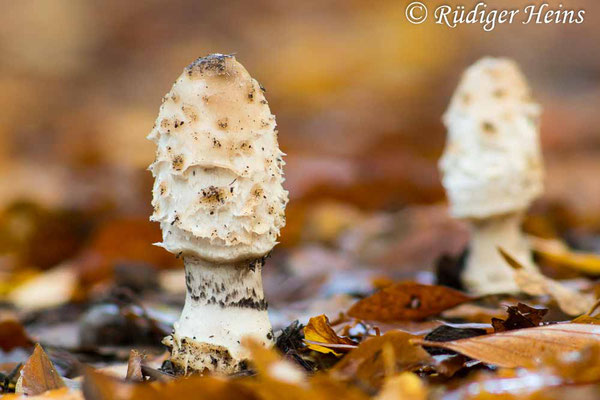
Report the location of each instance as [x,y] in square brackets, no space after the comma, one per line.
[407,301]
[588,318]
[519,316]
[534,283]
[320,336]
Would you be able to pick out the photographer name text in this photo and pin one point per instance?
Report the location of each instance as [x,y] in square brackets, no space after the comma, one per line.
[489,19]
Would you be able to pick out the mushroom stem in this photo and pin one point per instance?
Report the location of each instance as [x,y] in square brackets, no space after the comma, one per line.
[223,304]
[486,272]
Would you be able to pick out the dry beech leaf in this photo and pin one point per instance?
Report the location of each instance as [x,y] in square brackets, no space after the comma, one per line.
[379,356]
[407,301]
[557,252]
[320,336]
[588,318]
[523,347]
[134,366]
[566,370]
[12,334]
[278,378]
[406,386]
[56,394]
[38,375]
[271,365]
[519,317]
[98,386]
[534,283]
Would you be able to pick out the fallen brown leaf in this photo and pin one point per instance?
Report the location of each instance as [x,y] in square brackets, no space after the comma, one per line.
[519,316]
[12,334]
[38,375]
[379,356]
[278,378]
[406,386]
[407,301]
[523,347]
[534,283]
[134,366]
[97,386]
[56,394]
[320,336]
[557,252]
[588,318]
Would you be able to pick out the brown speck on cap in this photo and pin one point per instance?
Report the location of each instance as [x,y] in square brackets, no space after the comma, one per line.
[223,123]
[177,162]
[211,65]
[165,123]
[488,127]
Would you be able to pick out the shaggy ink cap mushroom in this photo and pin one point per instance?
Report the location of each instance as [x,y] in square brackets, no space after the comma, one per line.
[492,167]
[219,199]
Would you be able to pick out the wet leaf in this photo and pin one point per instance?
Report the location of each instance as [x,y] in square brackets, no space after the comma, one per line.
[523,347]
[320,336]
[520,316]
[38,374]
[534,283]
[407,301]
[379,356]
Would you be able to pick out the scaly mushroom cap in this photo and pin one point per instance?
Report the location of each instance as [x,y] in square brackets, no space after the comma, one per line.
[492,163]
[218,191]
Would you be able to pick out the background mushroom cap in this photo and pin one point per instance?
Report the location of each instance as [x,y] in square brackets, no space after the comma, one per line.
[492,163]
[218,191]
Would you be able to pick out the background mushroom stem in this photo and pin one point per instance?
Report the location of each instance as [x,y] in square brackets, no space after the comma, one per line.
[224,303]
[486,236]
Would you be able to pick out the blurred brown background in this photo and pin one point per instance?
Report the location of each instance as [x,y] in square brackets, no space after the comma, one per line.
[358,93]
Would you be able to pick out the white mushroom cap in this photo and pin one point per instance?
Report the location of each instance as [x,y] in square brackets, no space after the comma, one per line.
[218,191]
[492,163]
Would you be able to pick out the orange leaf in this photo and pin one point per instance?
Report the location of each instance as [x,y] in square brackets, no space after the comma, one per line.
[318,334]
[557,252]
[407,301]
[99,386]
[523,347]
[38,374]
[55,394]
[379,356]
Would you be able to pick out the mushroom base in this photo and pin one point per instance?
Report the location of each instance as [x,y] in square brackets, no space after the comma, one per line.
[224,304]
[486,272]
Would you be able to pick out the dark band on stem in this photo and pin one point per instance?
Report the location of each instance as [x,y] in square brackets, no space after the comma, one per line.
[242,288]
